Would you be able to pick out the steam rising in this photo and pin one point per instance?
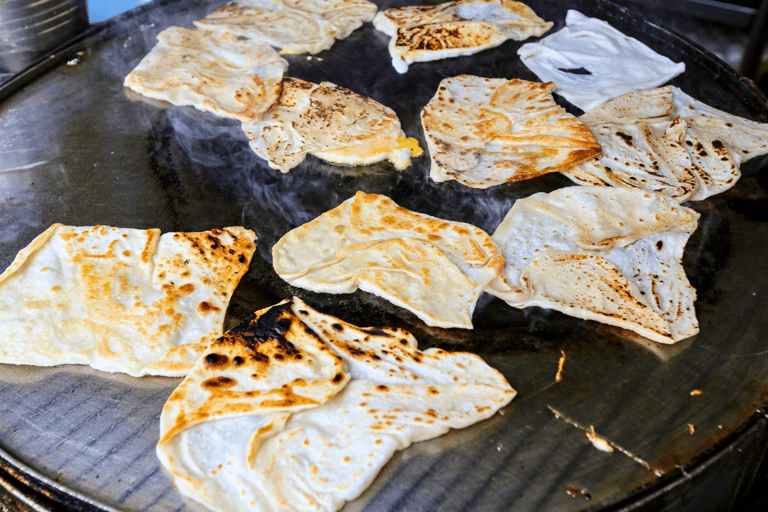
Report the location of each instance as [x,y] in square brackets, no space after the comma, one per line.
[211,177]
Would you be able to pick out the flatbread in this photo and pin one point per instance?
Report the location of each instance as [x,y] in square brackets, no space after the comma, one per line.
[452,29]
[119,299]
[331,123]
[592,62]
[612,255]
[296,26]
[484,132]
[275,431]
[664,140]
[211,71]
[432,267]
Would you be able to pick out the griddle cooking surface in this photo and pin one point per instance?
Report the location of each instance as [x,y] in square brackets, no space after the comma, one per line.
[77,148]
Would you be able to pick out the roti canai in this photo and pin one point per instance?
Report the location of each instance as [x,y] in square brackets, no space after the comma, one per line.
[451,29]
[296,26]
[488,131]
[297,410]
[432,267]
[664,140]
[331,123]
[213,72]
[119,299]
[613,255]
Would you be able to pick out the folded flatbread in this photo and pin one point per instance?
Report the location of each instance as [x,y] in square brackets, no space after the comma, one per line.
[608,254]
[451,29]
[119,299]
[432,267]
[296,26]
[488,131]
[297,410]
[211,71]
[664,140]
[331,123]
[592,62]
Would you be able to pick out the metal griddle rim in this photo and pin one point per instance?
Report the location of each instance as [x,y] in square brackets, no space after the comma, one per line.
[44,494]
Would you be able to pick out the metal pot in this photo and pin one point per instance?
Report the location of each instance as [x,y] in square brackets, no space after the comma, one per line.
[30,29]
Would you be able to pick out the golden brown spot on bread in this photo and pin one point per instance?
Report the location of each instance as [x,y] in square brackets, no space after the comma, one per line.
[206,307]
[219,383]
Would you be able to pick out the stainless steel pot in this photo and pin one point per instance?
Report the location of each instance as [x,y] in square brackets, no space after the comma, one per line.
[29,29]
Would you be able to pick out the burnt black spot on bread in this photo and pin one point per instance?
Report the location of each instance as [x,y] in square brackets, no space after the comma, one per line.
[625,137]
[216,360]
[271,328]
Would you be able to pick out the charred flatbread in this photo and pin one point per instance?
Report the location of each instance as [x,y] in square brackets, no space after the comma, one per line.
[613,255]
[119,299]
[664,140]
[430,266]
[484,132]
[451,29]
[211,71]
[297,410]
[332,123]
[296,26]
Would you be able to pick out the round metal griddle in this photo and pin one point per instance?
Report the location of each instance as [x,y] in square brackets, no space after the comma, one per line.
[77,148]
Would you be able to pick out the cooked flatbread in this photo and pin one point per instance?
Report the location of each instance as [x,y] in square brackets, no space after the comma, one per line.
[296,26]
[608,254]
[452,29]
[331,123]
[297,410]
[432,267]
[118,299]
[488,131]
[664,140]
[211,71]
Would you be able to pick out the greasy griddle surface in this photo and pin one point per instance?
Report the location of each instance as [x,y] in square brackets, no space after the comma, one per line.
[79,149]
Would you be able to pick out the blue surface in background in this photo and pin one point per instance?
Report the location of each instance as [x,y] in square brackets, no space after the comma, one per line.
[99,10]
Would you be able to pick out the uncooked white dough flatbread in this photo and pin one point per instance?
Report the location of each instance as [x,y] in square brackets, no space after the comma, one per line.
[295,410]
[451,29]
[211,71]
[296,26]
[664,140]
[332,123]
[432,267]
[592,62]
[613,255]
[119,299]
[484,132]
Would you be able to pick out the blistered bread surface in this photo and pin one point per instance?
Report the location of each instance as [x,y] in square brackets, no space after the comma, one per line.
[432,267]
[484,132]
[297,410]
[664,140]
[119,299]
[295,26]
[213,72]
[612,255]
[330,122]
